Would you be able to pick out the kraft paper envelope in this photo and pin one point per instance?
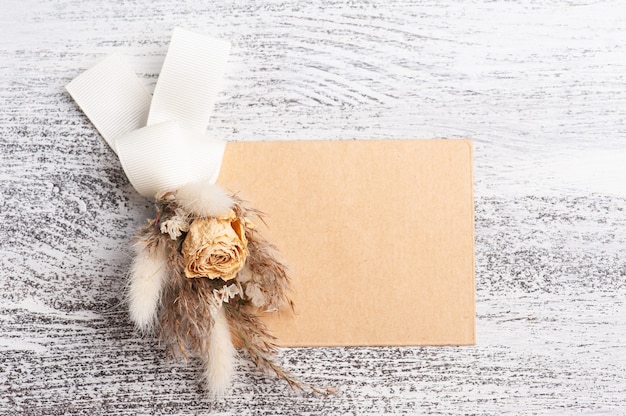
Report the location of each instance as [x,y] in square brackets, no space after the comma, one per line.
[378,237]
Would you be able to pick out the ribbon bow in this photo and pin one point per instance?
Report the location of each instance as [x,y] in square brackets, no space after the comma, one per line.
[161,141]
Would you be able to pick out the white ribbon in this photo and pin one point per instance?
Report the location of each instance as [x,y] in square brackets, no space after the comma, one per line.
[161,142]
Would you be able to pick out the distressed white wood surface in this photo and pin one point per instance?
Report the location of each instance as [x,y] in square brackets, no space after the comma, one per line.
[539,86]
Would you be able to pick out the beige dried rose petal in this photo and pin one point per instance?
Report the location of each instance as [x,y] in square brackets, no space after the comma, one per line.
[215,247]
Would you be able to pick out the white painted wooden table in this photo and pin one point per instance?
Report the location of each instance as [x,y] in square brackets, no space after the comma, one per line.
[539,85]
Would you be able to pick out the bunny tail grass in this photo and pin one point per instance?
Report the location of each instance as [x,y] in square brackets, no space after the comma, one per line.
[146,280]
[203,199]
[220,363]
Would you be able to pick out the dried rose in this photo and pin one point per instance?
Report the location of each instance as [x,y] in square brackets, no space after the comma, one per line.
[215,247]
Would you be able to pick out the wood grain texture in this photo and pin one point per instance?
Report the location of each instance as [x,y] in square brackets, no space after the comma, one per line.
[539,86]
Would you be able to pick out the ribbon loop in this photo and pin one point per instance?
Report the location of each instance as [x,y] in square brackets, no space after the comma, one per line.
[113,98]
[189,80]
[161,142]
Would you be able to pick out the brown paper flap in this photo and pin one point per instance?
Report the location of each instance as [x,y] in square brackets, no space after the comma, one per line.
[378,236]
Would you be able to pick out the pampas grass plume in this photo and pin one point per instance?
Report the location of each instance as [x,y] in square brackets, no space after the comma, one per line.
[220,363]
[146,280]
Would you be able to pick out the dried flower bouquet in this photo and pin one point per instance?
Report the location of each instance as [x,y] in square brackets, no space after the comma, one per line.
[202,272]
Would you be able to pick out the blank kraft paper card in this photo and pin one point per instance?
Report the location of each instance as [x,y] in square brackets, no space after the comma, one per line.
[378,236]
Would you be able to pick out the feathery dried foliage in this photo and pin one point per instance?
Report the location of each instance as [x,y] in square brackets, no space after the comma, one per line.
[264,270]
[261,345]
[188,305]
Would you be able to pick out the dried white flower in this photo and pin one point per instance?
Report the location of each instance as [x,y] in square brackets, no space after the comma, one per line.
[226,293]
[256,295]
[176,225]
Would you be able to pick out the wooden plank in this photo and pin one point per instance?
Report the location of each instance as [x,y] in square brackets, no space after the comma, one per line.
[539,86]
